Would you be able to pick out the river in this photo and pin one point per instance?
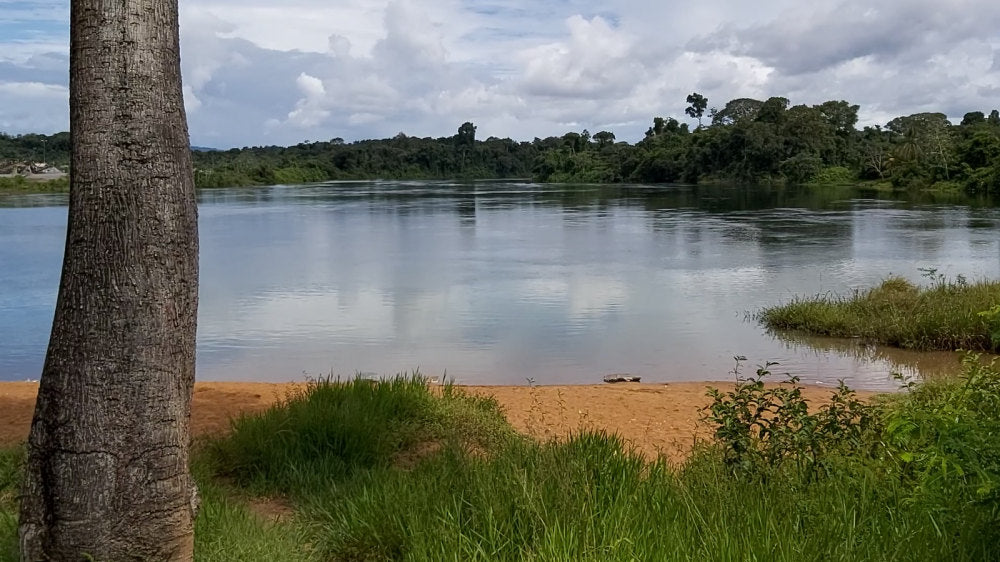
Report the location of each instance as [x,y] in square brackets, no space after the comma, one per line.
[506,283]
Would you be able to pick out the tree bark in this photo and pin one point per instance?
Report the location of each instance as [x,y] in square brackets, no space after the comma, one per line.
[107,469]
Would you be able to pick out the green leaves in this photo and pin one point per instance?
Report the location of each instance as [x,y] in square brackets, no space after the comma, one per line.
[761,427]
[946,436]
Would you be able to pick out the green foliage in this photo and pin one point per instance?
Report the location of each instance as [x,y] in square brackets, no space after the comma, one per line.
[14,183]
[11,467]
[945,315]
[334,429]
[801,168]
[945,435]
[760,428]
[697,108]
[992,319]
[401,157]
[591,498]
[748,140]
[51,149]
[934,450]
[20,183]
[835,175]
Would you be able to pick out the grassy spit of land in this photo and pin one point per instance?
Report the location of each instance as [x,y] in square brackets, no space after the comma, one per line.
[28,185]
[946,315]
[395,470]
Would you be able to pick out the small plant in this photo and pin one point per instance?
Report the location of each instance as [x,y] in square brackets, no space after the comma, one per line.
[761,428]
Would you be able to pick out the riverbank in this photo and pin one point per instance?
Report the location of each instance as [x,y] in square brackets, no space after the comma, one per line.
[34,183]
[404,470]
[654,418]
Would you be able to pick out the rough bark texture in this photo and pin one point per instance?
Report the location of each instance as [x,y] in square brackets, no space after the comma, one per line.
[107,473]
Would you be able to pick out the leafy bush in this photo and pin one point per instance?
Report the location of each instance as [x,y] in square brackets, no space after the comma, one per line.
[801,168]
[940,443]
[760,428]
[992,319]
[835,175]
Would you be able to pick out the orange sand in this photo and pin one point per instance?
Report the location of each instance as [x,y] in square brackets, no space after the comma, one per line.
[654,418]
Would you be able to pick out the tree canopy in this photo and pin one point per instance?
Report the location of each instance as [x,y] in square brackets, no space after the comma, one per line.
[747,140]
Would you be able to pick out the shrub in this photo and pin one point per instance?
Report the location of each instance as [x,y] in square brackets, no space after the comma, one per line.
[835,175]
[760,428]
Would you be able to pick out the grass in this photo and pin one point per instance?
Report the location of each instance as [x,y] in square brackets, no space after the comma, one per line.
[398,470]
[22,184]
[11,462]
[334,430]
[228,529]
[943,316]
[592,498]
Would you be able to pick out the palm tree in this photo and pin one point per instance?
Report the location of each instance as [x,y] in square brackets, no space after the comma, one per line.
[107,468]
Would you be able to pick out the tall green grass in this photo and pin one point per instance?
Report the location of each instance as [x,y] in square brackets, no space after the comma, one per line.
[396,470]
[945,315]
[592,498]
[11,468]
[226,530]
[334,429]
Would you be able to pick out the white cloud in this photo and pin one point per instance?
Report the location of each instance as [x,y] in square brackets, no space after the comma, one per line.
[259,73]
[592,63]
[33,106]
[309,111]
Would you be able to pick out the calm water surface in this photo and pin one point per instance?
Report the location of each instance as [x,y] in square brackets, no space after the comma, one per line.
[497,283]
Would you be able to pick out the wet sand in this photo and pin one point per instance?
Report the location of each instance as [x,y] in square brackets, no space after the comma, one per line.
[654,418]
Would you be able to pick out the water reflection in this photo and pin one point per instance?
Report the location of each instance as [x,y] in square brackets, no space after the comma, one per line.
[496,282]
[909,364]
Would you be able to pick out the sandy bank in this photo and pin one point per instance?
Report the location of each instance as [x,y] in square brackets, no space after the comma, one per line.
[655,418]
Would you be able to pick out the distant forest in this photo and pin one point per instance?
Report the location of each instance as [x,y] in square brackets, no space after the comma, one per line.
[747,140]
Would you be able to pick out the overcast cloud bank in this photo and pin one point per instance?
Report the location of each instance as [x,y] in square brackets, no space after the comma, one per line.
[258,73]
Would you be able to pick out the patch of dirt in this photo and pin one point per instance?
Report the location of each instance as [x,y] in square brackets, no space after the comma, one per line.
[409,458]
[272,509]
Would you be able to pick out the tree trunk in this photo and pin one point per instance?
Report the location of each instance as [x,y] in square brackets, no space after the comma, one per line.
[107,470]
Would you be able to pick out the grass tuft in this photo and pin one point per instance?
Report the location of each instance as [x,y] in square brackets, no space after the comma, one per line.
[946,315]
[334,429]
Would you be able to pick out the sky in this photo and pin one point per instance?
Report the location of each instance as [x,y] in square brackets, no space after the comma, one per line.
[263,72]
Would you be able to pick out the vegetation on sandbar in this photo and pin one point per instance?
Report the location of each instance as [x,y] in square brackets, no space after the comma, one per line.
[946,315]
[397,470]
[20,183]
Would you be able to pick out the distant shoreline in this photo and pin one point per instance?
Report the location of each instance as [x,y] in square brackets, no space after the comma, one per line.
[37,177]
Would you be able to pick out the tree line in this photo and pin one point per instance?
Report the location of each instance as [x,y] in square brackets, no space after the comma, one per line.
[746,140]
[770,141]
